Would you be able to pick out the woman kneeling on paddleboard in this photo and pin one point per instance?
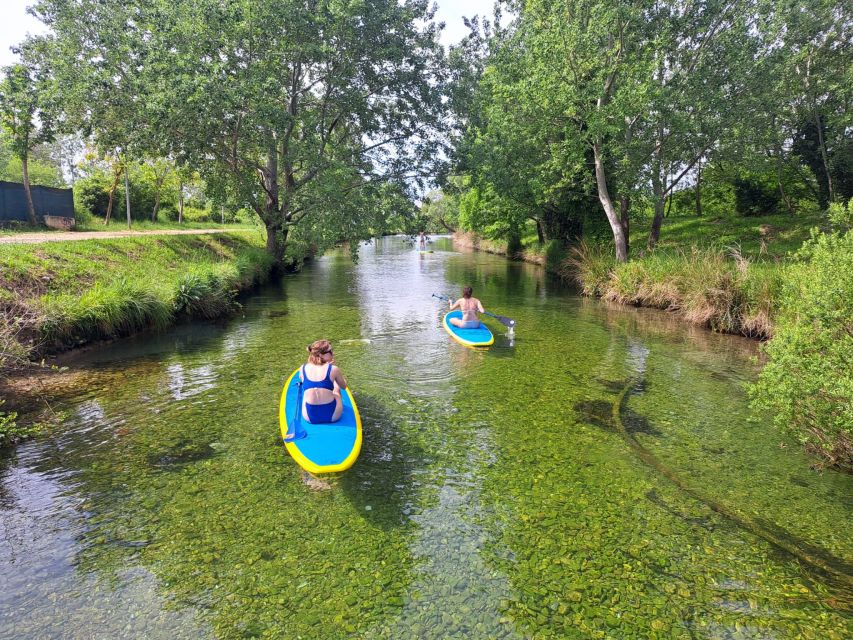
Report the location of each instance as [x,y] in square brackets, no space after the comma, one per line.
[469,307]
[322,382]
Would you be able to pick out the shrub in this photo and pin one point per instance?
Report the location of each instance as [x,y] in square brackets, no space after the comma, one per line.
[841,215]
[755,196]
[193,214]
[808,382]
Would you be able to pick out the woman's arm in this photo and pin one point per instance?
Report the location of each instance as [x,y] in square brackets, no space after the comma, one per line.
[455,305]
[480,306]
[338,377]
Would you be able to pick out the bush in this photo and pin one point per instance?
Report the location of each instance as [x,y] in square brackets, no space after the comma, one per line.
[840,215]
[193,214]
[755,197]
[92,195]
[715,288]
[808,382]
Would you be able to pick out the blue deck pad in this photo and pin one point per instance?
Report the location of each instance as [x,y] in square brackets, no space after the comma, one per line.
[326,445]
[479,337]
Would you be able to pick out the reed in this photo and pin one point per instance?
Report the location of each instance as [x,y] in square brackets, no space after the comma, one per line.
[716,288]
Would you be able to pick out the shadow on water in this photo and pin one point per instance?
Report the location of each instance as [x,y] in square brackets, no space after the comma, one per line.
[380,484]
[820,563]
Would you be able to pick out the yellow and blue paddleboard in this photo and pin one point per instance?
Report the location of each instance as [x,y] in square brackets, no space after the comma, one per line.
[326,448]
[479,337]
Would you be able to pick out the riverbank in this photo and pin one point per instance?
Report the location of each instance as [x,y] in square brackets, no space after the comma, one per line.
[724,275]
[62,295]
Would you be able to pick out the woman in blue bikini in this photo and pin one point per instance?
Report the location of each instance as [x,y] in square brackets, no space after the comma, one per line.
[469,307]
[322,383]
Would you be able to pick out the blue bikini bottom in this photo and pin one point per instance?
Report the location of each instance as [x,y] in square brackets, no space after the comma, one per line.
[469,324]
[320,413]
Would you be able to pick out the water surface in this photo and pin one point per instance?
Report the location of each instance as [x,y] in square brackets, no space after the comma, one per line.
[498,494]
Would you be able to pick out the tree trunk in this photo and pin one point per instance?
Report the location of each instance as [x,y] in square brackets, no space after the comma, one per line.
[699,191]
[31,208]
[824,156]
[127,192]
[274,215]
[276,243]
[157,197]
[540,234]
[624,219]
[779,179]
[660,204]
[156,206]
[116,176]
[181,203]
[619,239]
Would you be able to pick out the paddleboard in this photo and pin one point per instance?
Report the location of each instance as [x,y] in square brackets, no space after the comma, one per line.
[327,448]
[479,337]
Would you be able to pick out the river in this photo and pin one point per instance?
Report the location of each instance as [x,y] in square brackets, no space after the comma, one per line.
[597,475]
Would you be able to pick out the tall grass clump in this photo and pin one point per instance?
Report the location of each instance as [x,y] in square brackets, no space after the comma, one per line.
[807,383]
[590,265]
[207,293]
[715,288]
[106,310]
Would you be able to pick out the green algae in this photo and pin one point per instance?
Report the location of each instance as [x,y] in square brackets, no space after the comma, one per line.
[495,497]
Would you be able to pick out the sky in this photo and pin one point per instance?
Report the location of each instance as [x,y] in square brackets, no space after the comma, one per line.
[15,23]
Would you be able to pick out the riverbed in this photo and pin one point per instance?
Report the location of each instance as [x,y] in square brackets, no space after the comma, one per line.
[596,474]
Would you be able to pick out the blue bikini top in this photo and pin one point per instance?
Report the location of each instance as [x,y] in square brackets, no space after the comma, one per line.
[325,383]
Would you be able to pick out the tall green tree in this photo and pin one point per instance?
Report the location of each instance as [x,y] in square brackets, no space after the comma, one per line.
[27,113]
[290,107]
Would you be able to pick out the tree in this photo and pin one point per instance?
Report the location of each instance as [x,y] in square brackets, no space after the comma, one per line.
[27,114]
[288,107]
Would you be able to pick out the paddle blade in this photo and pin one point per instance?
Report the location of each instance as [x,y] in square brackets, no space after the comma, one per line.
[507,322]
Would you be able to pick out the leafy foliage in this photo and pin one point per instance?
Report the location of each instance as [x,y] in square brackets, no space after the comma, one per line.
[297,111]
[808,382]
[11,431]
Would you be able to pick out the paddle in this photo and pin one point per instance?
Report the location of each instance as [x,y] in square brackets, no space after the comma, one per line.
[507,322]
[295,430]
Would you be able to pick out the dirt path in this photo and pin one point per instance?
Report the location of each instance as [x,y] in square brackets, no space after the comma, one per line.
[65,236]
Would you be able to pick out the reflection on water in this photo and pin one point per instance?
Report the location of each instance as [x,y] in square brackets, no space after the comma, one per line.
[494,497]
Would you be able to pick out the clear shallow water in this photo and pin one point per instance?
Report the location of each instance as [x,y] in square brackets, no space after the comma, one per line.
[496,495]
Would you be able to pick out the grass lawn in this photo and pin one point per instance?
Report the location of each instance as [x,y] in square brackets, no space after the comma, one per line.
[61,294]
[766,237]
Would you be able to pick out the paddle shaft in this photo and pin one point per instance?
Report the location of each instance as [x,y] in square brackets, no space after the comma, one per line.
[297,418]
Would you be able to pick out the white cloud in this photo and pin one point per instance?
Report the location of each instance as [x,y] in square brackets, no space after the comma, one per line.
[451,13]
[15,25]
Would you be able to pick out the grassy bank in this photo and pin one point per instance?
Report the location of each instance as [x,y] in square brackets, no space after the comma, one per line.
[720,289]
[61,295]
[723,274]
